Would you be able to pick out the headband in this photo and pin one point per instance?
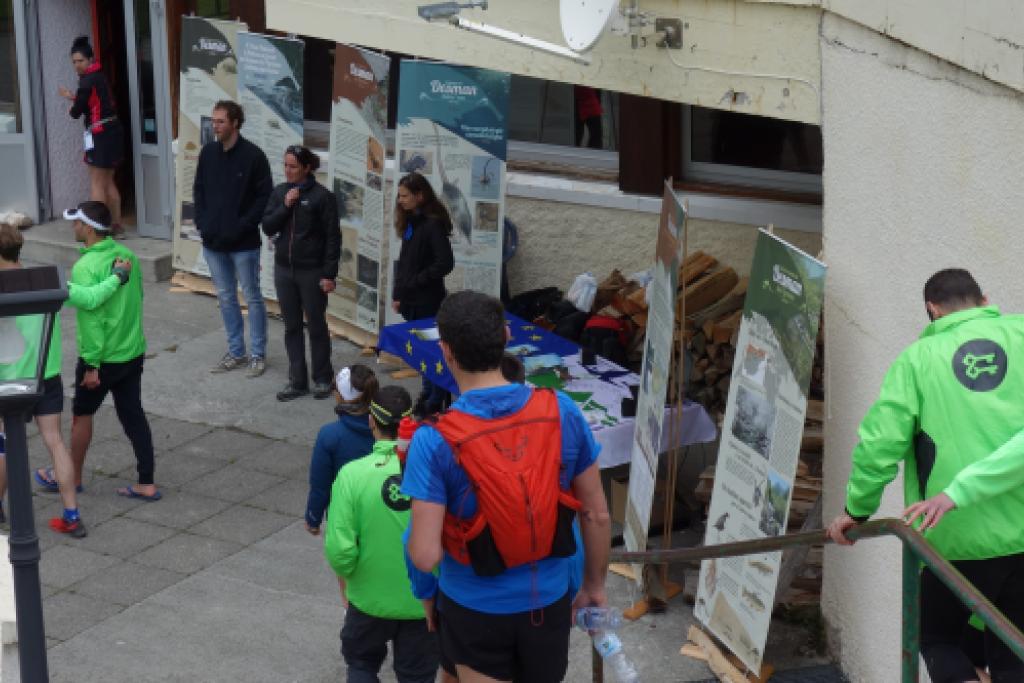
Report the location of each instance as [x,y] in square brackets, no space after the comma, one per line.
[79,215]
[344,384]
[384,416]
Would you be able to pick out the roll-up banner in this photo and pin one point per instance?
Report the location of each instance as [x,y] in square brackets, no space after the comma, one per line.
[359,116]
[453,128]
[760,449]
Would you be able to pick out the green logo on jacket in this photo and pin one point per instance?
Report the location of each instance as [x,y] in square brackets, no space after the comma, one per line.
[980,365]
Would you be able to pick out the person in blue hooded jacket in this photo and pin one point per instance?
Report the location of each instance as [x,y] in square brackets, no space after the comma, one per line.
[342,441]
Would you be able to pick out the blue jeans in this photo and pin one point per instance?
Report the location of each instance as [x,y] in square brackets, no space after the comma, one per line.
[230,269]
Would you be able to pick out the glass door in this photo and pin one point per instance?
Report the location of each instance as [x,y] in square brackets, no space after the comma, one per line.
[146,29]
[18,192]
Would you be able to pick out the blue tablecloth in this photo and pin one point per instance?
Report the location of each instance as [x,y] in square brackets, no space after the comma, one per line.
[597,389]
[414,343]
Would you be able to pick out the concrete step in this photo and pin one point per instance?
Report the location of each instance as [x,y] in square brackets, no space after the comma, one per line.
[54,243]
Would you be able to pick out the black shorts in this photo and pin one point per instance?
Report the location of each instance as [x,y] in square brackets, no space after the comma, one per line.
[108,146]
[527,647]
[52,402]
[112,375]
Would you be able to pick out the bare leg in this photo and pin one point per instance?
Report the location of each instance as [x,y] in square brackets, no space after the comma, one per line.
[81,437]
[97,184]
[113,196]
[63,468]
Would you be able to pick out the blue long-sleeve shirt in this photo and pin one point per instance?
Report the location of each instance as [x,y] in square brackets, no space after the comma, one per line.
[337,443]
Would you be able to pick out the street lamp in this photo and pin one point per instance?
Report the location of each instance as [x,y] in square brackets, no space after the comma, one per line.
[29,301]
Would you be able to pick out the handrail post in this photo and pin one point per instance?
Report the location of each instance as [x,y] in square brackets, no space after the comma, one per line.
[911,615]
[596,665]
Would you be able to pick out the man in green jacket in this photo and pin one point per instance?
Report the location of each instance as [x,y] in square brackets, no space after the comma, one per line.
[59,477]
[111,348]
[950,411]
[363,545]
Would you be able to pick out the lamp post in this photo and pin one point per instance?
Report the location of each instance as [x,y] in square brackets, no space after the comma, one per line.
[29,301]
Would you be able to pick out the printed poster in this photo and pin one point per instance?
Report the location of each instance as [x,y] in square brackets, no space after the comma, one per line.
[760,448]
[359,117]
[657,364]
[453,128]
[208,73]
[270,92]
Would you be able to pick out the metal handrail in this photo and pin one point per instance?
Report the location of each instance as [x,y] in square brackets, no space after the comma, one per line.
[915,550]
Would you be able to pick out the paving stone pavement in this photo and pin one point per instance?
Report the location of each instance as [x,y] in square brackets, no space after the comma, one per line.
[219,581]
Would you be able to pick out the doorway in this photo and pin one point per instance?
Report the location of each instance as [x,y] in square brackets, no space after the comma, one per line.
[132,38]
[109,45]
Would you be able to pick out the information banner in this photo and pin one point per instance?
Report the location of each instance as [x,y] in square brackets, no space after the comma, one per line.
[453,128]
[657,364]
[359,116]
[270,92]
[760,448]
[208,73]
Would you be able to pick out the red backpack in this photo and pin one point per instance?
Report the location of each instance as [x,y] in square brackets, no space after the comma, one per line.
[513,464]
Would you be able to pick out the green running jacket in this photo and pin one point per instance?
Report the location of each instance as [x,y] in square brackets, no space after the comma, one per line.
[363,540]
[951,408]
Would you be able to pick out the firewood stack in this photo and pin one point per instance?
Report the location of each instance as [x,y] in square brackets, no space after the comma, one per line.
[712,296]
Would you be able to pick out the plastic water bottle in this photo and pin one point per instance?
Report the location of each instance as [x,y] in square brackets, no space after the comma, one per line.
[609,647]
[599,619]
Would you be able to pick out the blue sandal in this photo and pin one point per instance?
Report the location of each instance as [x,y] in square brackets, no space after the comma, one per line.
[47,481]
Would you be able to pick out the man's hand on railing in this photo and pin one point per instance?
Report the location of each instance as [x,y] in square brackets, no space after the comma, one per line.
[838,528]
[930,511]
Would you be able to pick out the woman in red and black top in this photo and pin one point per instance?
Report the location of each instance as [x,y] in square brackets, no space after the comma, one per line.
[103,140]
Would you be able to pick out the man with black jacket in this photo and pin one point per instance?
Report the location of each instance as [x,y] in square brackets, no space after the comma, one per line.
[231,189]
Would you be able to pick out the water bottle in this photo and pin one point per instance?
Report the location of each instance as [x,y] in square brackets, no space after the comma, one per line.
[609,647]
[599,619]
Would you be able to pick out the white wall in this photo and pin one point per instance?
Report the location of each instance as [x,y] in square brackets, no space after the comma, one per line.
[558,241]
[60,22]
[922,171]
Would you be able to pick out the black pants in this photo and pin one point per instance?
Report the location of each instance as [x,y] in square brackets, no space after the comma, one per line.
[944,616]
[364,645]
[595,138]
[124,381]
[298,292]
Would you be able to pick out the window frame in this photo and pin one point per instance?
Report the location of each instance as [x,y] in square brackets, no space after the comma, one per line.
[727,174]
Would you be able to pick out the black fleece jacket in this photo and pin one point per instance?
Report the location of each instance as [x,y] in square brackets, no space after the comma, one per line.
[426,257]
[230,193]
[310,238]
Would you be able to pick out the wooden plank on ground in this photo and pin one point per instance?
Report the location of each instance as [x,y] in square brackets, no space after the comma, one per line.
[725,666]
[182,280]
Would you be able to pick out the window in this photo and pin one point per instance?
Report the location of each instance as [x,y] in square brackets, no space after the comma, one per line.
[741,149]
[10,102]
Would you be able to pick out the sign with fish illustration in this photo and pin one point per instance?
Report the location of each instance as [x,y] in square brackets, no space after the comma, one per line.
[452,127]
[760,446]
[270,91]
[208,73]
[359,117]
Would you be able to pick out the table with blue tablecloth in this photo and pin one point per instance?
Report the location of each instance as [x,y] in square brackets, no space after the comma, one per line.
[554,362]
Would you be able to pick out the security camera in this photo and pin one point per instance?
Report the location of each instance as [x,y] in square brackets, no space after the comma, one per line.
[446,10]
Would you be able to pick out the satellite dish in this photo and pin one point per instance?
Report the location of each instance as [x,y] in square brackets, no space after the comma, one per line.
[583,21]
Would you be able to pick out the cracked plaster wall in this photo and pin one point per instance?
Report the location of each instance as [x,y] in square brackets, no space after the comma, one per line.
[60,21]
[922,172]
[558,241]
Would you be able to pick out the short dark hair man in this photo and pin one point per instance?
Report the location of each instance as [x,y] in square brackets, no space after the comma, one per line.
[950,410]
[111,349]
[230,191]
[504,608]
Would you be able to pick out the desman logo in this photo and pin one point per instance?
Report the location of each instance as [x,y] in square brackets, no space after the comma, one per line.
[391,494]
[980,365]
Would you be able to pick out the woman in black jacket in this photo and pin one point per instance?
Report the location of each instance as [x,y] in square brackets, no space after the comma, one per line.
[424,226]
[103,140]
[302,219]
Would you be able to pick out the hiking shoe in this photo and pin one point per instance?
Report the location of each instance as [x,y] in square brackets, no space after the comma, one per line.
[291,392]
[322,390]
[257,366]
[74,529]
[229,362]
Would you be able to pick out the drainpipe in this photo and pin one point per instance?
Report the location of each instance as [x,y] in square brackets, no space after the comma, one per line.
[33,45]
